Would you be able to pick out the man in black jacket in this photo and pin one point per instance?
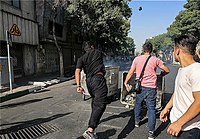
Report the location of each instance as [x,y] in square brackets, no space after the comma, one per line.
[92,64]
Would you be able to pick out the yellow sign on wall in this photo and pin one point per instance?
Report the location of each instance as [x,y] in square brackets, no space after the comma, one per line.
[15,30]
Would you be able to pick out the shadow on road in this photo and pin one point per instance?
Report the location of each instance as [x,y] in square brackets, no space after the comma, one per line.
[123,115]
[128,128]
[166,97]
[26,124]
[23,103]
[161,128]
[106,134]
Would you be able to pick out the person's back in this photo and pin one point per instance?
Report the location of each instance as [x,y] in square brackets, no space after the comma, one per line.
[92,62]
[149,78]
[148,83]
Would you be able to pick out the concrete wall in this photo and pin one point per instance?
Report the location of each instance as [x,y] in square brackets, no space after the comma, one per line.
[4,72]
[51,58]
[29,60]
[40,59]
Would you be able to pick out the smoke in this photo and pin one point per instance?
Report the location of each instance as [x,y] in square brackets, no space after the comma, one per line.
[123,62]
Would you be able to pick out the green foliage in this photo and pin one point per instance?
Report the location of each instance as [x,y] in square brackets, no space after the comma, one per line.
[127,48]
[192,5]
[104,21]
[160,41]
[188,21]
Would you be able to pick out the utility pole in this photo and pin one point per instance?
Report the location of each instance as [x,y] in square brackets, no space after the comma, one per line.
[9,43]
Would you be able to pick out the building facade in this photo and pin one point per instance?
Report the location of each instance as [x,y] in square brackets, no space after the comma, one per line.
[19,17]
[34,50]
[69,42]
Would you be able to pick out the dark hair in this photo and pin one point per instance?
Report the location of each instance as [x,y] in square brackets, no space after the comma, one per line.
[188,42]
[87,45]
[147,47]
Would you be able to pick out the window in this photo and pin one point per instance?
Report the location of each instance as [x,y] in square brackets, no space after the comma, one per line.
[15,3]
[58,29]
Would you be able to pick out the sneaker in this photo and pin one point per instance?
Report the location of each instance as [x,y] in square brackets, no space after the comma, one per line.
[151,135]
[137,124]
[89,135]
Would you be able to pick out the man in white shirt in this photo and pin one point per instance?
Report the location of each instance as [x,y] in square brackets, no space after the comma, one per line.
[185,101]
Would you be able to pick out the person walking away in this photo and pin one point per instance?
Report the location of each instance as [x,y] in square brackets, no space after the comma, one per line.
[185,101]
[148,85]
[92,64]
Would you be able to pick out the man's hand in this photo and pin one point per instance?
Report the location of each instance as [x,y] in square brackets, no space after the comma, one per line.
[174,129]
[163,115]
[128,87]
[163,73]
[79,89]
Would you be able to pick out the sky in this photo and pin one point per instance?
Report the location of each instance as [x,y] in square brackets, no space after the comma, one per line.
[154,19]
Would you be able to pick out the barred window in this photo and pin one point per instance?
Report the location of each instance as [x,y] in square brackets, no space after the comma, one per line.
[58,29]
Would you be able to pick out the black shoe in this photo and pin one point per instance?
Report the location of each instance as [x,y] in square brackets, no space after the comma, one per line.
[89,135]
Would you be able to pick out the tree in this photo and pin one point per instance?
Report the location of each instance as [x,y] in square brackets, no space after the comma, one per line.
[160,41]
[127,48]
[104,21]
[188,20]
[57,6]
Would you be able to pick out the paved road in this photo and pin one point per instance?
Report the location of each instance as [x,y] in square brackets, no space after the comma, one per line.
[170,80]
[60,113]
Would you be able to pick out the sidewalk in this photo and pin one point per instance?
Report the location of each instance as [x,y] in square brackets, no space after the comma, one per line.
[25,85]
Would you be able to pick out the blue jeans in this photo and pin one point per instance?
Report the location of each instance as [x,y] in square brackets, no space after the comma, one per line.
[150,95]
[190,134]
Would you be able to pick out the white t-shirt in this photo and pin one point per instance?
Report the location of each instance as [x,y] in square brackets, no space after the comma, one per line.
[187,81]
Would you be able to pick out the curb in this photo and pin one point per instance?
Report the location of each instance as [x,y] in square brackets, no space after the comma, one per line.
[19,93]
[30,90]
[14,95]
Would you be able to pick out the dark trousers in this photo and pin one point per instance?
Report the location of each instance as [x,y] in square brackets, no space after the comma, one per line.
[98,90]
[190,134]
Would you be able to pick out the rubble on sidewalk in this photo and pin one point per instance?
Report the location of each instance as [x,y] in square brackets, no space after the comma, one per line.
[30,87]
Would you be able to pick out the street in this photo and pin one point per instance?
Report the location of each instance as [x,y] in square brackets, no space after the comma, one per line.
[58,112]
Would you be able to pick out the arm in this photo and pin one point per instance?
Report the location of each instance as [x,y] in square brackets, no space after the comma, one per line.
[165,111]
[78,78]
[165,70]
[191,113]
[128,77]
